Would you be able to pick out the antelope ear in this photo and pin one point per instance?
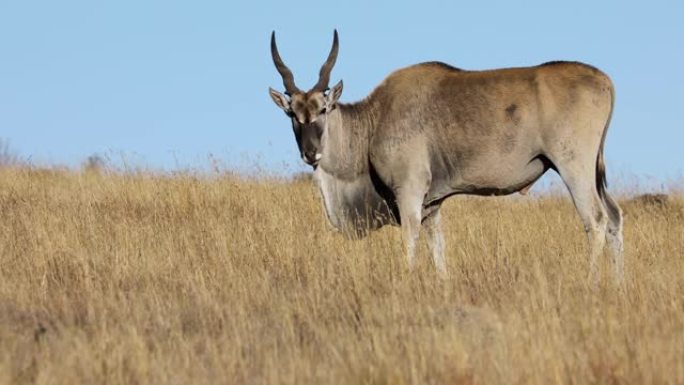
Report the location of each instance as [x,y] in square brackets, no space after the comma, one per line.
[334,94]
[280,100]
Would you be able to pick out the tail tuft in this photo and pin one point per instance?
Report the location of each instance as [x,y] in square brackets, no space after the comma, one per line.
[601,182]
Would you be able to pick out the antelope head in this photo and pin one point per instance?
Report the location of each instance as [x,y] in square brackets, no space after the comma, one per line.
[308,110]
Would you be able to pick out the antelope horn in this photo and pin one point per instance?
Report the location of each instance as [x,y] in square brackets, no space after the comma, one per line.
[324,75]
[285,73]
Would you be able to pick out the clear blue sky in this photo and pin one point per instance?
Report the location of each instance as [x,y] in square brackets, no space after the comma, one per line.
[168,83]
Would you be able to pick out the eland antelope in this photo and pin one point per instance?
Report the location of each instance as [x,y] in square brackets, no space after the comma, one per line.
[430,131]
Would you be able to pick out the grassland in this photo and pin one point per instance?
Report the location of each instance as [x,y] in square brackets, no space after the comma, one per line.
[108,278]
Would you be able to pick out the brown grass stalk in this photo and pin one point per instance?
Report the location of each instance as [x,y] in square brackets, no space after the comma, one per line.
[108,278]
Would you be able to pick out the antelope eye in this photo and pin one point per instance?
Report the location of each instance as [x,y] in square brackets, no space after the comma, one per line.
[322,111]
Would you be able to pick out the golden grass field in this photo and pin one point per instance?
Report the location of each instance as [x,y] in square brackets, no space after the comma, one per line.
[144,278]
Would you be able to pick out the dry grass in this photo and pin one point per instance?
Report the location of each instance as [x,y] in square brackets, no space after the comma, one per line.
[113,279]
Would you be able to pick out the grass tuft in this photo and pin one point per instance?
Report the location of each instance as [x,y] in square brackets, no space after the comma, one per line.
[147,278]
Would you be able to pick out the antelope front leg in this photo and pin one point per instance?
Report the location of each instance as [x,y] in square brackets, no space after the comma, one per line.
[435,239]
[410,208]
